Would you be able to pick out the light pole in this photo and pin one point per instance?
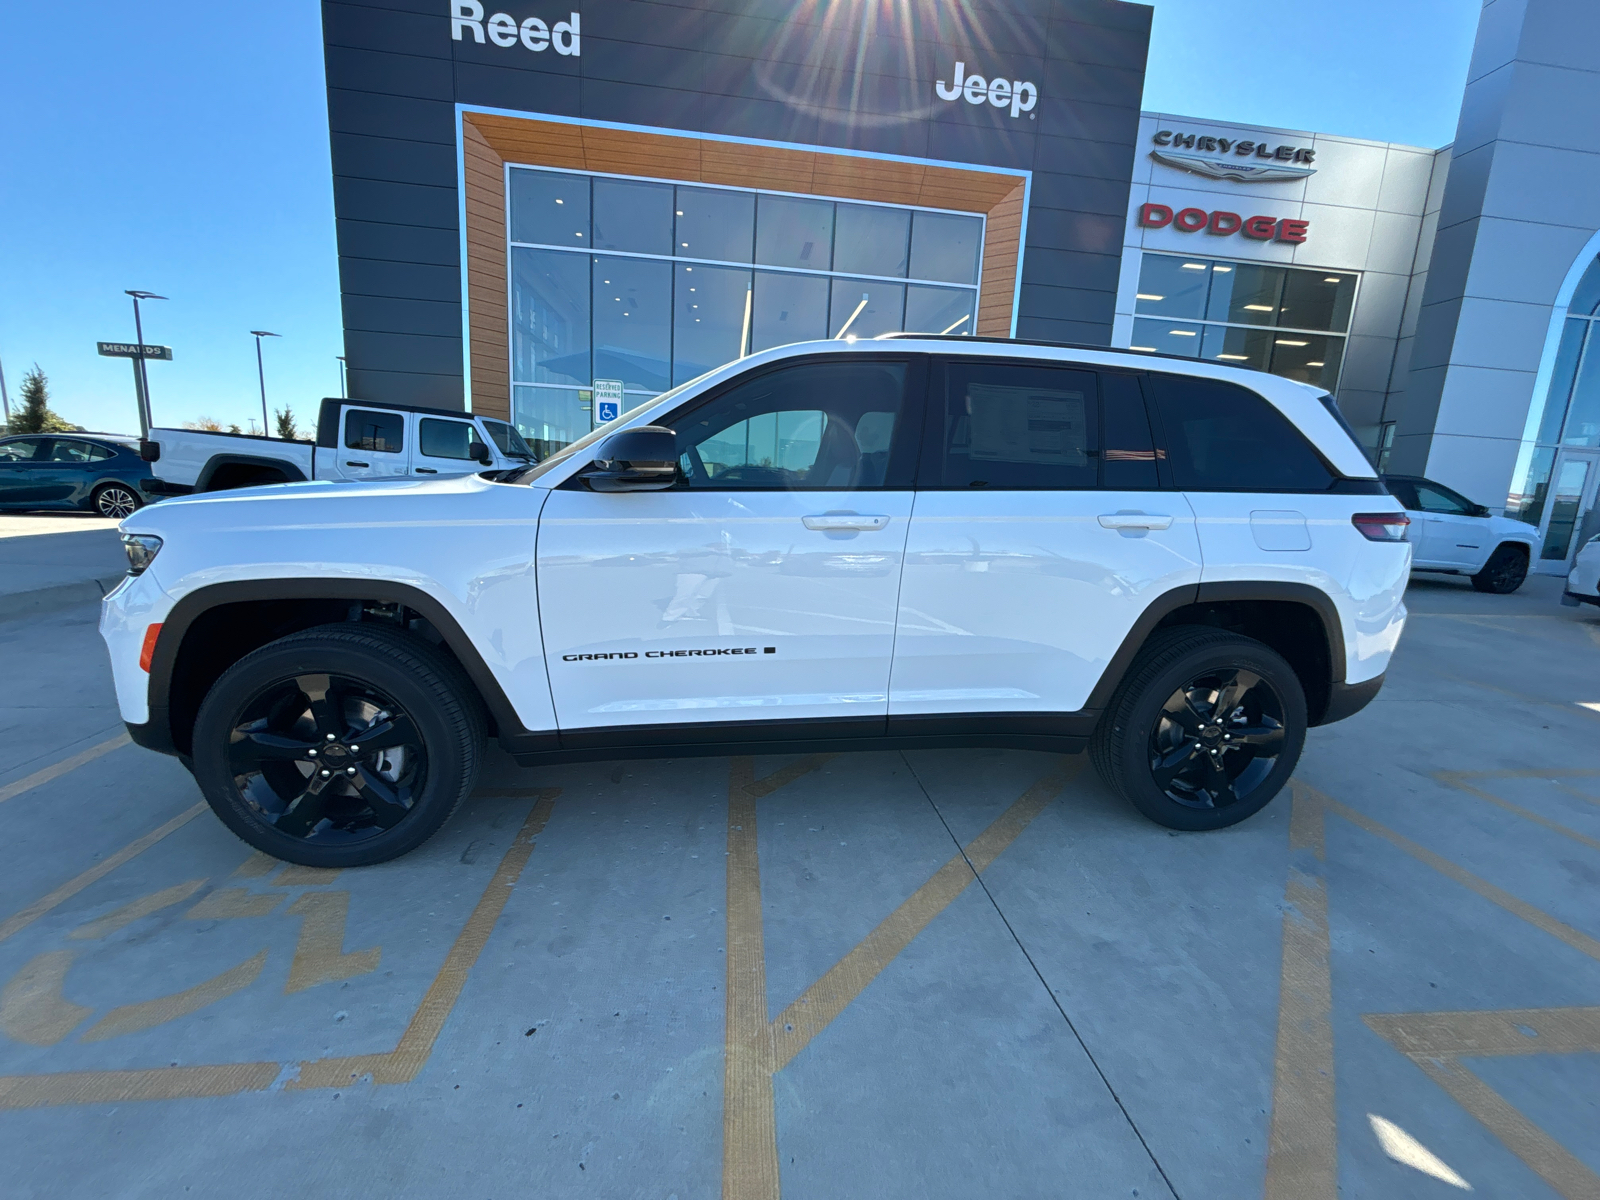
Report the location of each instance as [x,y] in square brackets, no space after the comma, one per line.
[261,374]
[343,387]
[5,395]
[141,381]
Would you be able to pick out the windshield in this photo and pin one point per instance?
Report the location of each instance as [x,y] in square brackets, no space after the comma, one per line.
[529,474]
[508,439]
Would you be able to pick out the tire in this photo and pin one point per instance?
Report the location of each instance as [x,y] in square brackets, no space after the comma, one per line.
[1163,718]
[1504,572]
[279,720]
[115,500]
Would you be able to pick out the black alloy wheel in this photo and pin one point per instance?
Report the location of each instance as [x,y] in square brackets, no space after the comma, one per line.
[115,501]
[327,759]
[1217,739]
[1204,729]
[1504,572]
[341,746]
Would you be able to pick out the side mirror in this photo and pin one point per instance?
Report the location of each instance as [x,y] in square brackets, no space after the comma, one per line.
[149,451]
[636,460]
[479,453]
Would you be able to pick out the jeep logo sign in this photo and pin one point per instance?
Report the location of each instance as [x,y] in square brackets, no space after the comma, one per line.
[1017,93]
[466,17]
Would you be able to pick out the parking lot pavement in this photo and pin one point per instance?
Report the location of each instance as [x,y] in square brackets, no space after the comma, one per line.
[49,561]
[937,974]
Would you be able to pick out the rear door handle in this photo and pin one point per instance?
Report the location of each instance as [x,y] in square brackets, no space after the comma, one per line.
[348,463]
[836,522]
[1135,521]
[426,471]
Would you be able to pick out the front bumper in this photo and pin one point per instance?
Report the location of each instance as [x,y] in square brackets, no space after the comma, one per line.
[1573,599]
[1347,699]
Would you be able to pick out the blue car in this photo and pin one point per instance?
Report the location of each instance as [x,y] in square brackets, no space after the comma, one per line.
[95,472]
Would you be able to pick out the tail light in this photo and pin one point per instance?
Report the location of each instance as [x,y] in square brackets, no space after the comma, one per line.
[1382,527]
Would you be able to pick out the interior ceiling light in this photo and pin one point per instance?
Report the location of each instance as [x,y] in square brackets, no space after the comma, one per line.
[560,201]
[1316,364]
[1147,296]
[1194,266]
[1258,308]
[1330,279]
[1151,349]
[1222,270]
[1235,357]
[1290,342]
[1182,332]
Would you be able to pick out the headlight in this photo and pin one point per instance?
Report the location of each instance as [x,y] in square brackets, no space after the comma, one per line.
[142,549]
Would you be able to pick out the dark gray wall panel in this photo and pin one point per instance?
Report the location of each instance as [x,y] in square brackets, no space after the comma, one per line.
[405,352]
[394,160]
[399,243]
[381,314]
[374,277]
[400,203]
[406,387]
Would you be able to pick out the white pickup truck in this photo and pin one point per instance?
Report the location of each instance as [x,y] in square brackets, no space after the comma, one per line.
[355,440]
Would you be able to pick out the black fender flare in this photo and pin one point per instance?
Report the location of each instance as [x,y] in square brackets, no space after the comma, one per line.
[158,734]
[291,473]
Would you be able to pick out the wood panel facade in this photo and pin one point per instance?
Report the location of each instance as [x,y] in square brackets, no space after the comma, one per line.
[490,141]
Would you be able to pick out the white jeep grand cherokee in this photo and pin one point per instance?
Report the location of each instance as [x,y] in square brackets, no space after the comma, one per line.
[911,542]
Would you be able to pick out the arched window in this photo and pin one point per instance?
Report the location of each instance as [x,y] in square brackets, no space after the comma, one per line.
[1568,411]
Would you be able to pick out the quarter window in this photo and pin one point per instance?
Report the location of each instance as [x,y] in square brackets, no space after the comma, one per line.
[1224,438]
[814,426]
[379,432]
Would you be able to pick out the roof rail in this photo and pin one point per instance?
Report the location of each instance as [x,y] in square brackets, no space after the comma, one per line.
[940,337]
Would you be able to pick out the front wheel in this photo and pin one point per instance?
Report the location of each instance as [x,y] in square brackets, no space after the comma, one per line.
[1204,731]
[115,501]
[341,746]
[1504,572]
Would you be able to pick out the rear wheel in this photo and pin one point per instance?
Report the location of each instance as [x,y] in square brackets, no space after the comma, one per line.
[1204,731]
[340,746]
[115,501]
[1504,572]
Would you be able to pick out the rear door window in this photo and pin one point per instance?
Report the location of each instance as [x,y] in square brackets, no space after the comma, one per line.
[373,431]
[1224,438]
[1016,426]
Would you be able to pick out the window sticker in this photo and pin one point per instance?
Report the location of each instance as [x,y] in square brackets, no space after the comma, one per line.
[1028,425]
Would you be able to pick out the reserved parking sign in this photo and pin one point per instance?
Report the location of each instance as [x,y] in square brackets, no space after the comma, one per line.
[607,400]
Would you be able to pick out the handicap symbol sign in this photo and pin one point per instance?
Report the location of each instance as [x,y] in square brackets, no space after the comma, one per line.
[607,400]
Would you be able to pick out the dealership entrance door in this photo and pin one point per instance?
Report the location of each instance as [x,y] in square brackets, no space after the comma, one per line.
[1571,516]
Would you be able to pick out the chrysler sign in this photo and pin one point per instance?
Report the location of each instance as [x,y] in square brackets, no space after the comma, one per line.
[1250,162]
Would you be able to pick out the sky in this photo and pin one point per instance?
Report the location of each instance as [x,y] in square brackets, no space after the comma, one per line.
[182,148]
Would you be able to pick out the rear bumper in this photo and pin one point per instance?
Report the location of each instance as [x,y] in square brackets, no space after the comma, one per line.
[1347,699]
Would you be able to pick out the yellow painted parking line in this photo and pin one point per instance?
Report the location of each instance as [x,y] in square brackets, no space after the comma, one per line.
[142,907]
[1303,1140]
[147,1014]
[755,1047]
[55,771]
[99,871]
[1458,779]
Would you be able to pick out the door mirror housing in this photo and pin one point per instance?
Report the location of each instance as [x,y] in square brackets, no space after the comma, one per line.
[479,453]
[635,460]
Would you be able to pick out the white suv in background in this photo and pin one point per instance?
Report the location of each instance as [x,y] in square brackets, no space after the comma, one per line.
[1453,535]
[907,542]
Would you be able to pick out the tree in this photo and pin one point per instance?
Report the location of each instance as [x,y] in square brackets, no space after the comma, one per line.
[207,424]
[35,415]
[286,429]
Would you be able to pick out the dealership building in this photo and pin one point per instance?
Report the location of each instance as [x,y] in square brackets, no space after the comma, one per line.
[541,202]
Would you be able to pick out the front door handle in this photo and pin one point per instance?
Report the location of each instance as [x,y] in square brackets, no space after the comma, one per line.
[1125,520]
[348,463]
[843,522]
[426,471]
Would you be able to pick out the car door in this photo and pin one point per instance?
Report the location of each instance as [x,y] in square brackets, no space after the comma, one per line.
[1454,535]
[761,588]
[442,446]
[20,470]
[1041,534]
[373,444]
[72,464]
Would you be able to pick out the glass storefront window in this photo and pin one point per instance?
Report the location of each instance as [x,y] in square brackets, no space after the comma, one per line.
[871,240]
[940,310]
[864,308]
[787,309]
[1561,379]
[713,223]
[945,247]
[1582,426]
[632,215]
[767,270]
[791,232]
[549,317]
[708,307]
[550,208]
[1530,486]
[633,322]
[1288,321]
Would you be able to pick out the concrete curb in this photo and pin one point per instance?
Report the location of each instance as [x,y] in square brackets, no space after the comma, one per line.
[60,595]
